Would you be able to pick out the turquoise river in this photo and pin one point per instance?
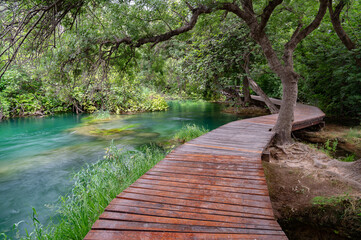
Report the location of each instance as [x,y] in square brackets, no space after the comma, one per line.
[39,155]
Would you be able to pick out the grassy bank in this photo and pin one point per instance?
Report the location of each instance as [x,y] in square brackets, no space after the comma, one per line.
[97,184]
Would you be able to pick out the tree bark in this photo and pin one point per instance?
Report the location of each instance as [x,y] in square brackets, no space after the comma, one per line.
[283,127]
[273,109]
[337,26]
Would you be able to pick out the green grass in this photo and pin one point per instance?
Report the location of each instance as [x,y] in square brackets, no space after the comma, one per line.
[189,132]
[350,205]
[353,133]
[95,186]
[348,158]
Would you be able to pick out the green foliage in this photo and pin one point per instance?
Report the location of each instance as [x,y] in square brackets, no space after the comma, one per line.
[330,149]
[330,75]
[189,132]
[352,204]
[349,158]
[23,95]
[94,187]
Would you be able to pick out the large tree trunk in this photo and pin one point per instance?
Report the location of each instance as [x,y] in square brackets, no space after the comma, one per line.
[283,127]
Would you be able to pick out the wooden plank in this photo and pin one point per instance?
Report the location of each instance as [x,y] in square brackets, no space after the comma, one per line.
[201,197]
[174,213]
[240,161]
[136,235]
[206,165]
[220,181]
[182,208]
[257,211]
[206,192]
[210,172]
[179,220]
[205,187]
[147,226]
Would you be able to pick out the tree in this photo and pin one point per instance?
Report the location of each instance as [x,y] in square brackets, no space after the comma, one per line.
[38,21]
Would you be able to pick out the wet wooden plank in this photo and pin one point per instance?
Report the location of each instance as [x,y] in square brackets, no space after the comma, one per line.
[192,215]
[205,187]
[200,203]
[136,235]
[168,227]
[202,191]
[205,165]
[180,220]
[226,198]
[258,175]
[156,204]
[218,181]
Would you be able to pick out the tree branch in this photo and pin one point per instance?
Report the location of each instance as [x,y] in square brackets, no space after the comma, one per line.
[336,23]
[337,26]
[267,12]
[298,35]
[231,7]
[187,27]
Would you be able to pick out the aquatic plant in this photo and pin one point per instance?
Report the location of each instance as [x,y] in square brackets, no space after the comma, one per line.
[189,132]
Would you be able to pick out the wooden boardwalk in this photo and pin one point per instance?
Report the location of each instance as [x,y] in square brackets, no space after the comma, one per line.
[212,187]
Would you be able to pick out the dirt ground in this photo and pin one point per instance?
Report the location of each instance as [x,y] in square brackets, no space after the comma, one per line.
[296,174]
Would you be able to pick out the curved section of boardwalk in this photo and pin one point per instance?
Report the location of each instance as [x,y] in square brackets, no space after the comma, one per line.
[212,187]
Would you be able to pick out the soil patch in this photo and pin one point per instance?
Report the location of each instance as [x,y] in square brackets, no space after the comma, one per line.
[298,176]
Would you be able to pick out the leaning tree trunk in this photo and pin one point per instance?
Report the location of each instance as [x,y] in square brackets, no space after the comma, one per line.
[273,109]
[283,127]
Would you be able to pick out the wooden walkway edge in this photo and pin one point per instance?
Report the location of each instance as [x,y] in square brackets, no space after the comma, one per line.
[212,187]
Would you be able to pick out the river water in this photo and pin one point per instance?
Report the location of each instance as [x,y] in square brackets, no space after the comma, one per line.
[39,155]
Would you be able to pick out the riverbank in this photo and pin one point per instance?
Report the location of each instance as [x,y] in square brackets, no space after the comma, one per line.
[41,106]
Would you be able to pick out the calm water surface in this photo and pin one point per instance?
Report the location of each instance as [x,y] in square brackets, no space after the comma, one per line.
[39,155]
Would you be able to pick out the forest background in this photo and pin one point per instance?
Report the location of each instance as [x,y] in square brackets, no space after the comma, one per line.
[75,66]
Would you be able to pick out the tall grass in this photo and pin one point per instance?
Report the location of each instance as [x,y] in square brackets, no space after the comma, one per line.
[95,186]
[189,132]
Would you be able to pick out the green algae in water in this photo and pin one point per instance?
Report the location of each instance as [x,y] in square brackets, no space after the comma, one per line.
[113,131]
